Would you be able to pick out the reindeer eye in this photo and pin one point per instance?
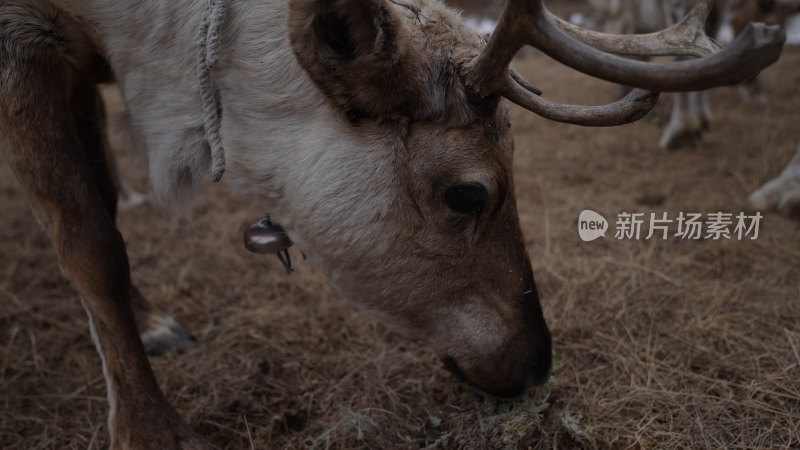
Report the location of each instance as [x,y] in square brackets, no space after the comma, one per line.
[468,198]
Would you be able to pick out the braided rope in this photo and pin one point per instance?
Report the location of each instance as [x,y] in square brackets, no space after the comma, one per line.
[213,17]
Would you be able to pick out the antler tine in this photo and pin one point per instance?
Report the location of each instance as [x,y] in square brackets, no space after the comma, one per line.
[523,82]
[629,109]
[529,22]
[756,48]
[685,38]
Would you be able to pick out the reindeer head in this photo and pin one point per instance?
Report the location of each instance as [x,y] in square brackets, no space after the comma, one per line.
[407,202]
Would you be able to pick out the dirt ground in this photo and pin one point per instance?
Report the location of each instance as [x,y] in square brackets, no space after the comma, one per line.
[657,344]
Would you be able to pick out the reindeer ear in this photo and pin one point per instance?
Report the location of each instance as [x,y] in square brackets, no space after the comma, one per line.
[354,51]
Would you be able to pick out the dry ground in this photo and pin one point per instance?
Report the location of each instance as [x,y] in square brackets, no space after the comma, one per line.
[658,344]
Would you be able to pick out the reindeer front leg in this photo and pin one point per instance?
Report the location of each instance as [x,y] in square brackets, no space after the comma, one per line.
[42,138]
[159,332]
[691,116]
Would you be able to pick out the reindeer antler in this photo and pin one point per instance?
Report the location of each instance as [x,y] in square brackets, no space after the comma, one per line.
[529,22]
[685,38]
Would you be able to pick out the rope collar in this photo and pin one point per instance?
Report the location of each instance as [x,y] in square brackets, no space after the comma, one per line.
[263,235]
[213,17]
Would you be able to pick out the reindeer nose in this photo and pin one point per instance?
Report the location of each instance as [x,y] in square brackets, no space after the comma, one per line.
[524,360]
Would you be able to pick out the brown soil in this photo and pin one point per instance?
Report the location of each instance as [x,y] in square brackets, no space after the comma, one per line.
[658,344]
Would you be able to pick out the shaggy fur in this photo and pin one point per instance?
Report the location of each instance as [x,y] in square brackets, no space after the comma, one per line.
[347,120]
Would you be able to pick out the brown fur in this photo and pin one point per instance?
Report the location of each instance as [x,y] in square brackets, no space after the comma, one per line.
[51,135]
[447,133]
[379,66]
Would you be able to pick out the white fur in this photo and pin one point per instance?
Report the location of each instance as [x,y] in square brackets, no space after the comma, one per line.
[329,184]
[285,145]
[152,47]
[110,395]
[487,332]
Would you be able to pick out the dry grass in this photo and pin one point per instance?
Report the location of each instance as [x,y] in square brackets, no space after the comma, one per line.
[658,344]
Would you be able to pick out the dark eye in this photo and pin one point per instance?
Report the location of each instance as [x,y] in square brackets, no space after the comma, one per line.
[468,198]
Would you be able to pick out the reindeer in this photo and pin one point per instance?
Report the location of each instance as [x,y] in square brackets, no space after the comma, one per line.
[782,192]
[376,132]
[691,112]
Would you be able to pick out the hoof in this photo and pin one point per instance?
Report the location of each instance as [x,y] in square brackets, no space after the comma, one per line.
[153,425]
[762,200]
[704,125]
[131,199]
[162,334]
[673,139]
[698,134]
[159,332]
[781,193]
[790,204]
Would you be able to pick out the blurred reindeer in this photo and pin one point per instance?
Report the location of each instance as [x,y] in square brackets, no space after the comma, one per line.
[782,192]
[691,113]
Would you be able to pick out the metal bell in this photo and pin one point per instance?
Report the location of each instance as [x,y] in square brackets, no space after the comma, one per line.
[265,236]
